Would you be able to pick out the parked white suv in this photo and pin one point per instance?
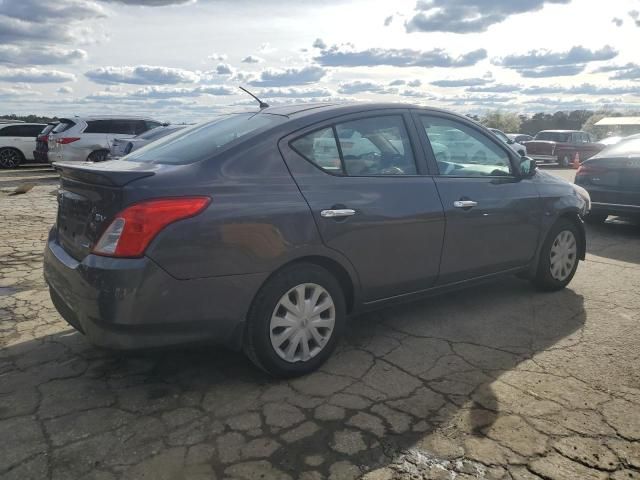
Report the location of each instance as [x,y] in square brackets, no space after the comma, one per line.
[17,142]
[82,139]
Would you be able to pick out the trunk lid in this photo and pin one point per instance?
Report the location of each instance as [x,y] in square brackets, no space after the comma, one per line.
[88,198]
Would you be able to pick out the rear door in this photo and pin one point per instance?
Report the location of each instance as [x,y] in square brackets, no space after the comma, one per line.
[492,216]
[363,178]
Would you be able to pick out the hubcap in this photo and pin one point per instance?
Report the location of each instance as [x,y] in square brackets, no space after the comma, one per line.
[563,255]
[8,159]
[302,322]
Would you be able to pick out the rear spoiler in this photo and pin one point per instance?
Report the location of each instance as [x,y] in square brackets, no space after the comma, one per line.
[104,174]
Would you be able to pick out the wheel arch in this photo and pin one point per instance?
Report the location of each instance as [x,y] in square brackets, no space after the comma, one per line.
[334,267]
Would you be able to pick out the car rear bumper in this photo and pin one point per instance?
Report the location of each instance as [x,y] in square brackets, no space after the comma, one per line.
[621,209]
[40,157]
[133,303]
[545,158]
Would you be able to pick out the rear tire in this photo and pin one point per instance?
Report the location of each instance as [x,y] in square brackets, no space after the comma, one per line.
[595,218]
[10,158]
[558,260]
[98,156]
[277,330]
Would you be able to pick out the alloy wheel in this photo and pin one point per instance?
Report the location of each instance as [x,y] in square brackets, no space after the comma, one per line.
[9,158]
[302,322]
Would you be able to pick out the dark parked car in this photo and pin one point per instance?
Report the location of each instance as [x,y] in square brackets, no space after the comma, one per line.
[612,178]
[561,146]
[263,231]
[40,154]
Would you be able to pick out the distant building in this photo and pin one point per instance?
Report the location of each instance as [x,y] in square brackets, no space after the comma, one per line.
[622,126]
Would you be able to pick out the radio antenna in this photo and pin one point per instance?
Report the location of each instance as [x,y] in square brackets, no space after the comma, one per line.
[262,104]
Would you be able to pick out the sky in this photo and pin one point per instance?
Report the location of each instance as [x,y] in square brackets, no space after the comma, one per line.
[183,60]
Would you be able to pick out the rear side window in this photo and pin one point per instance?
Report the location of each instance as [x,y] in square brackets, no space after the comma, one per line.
[320,148]
[203,141]
[63,126]
[554,136]
[366,147]
[98,126]
[21,131]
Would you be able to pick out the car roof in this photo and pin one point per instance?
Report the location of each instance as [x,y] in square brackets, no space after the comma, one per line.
[2,125]
[108,117]
[307,109]
[561,131]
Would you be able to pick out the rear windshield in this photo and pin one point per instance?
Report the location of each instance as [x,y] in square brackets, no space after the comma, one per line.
[202,141]
[624,148]
[48,128]
[554,136]
[63,125]
[159,132]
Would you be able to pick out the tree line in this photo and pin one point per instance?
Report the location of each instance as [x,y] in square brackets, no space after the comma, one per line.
[510,122]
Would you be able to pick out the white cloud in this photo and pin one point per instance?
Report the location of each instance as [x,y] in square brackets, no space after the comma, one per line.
[35,75]
[39,55]
[142,75]
[290,76]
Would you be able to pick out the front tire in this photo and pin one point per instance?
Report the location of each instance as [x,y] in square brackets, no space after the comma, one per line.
[295,321]
[565,161]
[10,158]
[558,260]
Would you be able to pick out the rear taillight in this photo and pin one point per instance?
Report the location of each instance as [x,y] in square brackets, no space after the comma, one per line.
[65,140]
[133,229]
[43,138]
[590,170]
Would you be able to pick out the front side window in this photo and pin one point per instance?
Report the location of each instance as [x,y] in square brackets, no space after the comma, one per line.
[367,147]
[462,151]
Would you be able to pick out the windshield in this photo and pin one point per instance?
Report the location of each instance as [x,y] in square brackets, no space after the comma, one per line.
[500,135]
[202,141]
[554,136]
[623,149]
[63,125]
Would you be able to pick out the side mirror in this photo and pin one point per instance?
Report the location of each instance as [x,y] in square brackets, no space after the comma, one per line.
[528,167]
[510,141]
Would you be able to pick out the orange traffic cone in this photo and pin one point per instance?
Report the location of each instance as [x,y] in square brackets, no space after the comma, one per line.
[576,161]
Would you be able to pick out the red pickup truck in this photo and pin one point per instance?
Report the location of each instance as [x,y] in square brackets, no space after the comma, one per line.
[561,146]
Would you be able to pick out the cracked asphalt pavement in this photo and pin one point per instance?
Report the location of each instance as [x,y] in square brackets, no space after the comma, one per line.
[495,382]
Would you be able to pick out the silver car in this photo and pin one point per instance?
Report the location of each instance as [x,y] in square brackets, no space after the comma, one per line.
[515,146]
[124,146]
[81,139]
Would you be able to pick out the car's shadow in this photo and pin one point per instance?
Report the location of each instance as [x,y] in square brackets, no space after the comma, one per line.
[399,375]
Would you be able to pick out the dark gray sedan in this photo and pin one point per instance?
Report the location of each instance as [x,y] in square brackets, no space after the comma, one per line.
[612,178]
[264,231]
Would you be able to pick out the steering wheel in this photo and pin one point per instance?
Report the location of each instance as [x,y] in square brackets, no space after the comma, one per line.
[479,157]
[392,171]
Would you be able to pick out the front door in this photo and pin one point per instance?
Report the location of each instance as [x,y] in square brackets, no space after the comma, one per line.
[492,215]
[369,199]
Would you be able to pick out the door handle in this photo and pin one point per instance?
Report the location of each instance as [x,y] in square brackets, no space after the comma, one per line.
[340,212]
[464,203]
